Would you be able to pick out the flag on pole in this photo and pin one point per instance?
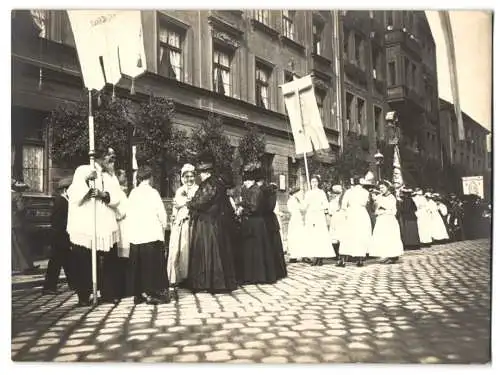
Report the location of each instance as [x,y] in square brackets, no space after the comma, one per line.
[109,44]
[397,176]
[303,112]
[452,66]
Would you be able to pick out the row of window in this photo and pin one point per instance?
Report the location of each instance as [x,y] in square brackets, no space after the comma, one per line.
[171,63]
[410,26]
[469,162]
[357,119]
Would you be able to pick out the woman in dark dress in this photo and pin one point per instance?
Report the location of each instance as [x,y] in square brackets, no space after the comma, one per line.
[256,261]
[273,228]
[408,220]
[211,263]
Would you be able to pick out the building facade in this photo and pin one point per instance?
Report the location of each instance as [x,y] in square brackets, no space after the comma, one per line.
[229,63]
[365,78]
[412,88]
[471,154]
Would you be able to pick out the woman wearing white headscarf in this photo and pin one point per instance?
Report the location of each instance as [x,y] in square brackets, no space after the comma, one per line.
[178,253]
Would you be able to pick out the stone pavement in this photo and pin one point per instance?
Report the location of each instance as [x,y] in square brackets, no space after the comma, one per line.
[432,307]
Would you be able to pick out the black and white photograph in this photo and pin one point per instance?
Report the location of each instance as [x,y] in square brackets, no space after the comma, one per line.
[251,186]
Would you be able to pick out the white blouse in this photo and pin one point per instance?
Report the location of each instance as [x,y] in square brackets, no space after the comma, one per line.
[146,215]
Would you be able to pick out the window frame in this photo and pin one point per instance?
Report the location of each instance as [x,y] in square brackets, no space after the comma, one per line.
[378,122]
[262,15]
[392,75]
[259,83]
[288,24]
[317,35]
[361,120]
[226,68]
[163,24]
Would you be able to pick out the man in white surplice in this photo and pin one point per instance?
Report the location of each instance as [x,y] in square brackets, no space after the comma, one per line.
[81,227]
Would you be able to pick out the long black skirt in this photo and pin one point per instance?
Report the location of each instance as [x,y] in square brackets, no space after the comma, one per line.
[256,257]
[409,232]
[147,266]
[274,235]
[211,259]
[110,275]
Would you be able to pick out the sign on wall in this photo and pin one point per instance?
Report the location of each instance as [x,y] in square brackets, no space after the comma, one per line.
[473,185]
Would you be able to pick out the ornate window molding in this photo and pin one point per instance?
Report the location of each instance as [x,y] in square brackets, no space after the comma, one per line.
[224,27]
[225,39]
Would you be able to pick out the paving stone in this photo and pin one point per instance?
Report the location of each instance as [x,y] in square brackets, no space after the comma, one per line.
[218,356]
[255,345]
[227,346]
[247,353]
[405,313]
[305,359]
[275,360]
[186,358]
[166,351]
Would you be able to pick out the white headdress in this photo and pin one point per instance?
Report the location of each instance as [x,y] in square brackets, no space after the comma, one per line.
[187,168]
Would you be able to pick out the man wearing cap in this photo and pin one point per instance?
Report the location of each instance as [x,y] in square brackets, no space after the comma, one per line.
[60,240]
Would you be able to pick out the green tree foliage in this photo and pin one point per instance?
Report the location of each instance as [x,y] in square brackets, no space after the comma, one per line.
[160,145]
[209,141]
[252,146]
[352,161]
[68,125]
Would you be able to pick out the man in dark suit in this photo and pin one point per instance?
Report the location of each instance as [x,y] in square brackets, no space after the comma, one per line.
[60,240]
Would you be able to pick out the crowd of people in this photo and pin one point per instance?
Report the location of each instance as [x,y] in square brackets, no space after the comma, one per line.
[219,240]
[368,219]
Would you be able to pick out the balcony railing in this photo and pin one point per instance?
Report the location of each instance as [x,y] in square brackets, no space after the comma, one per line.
[404,38]
[402,93]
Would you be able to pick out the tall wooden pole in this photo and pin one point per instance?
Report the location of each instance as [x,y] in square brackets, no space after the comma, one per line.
[297,95]
[94,202]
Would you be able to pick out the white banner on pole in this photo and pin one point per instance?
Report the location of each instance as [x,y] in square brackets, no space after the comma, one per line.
[303,112]
[113,36]
[473,185]
[397,176]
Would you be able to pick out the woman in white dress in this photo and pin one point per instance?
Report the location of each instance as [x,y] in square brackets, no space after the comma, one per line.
[386,238]
[439,232]
[357,232]
[178,252]
[316,210]
[296,234]
[337,218]
[423,218]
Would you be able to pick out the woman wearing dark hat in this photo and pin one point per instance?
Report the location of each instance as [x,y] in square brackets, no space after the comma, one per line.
[408,220]
[256,262]
[272,223]
[211,259]
[386,239]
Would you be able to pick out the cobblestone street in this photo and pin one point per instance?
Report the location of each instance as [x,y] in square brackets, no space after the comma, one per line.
[432,307]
